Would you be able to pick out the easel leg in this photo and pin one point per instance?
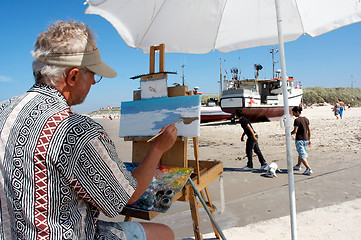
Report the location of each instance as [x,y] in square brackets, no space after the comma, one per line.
[212,209]
[196,156]
[195,217]
[195,190]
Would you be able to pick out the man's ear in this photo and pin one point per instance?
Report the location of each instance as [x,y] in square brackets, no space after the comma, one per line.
[72,76]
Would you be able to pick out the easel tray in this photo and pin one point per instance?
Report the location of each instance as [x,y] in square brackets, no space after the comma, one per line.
[209,171]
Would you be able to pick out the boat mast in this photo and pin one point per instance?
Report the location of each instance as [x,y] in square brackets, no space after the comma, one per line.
[220,74]
[182,77]
[273,51]
[239,68]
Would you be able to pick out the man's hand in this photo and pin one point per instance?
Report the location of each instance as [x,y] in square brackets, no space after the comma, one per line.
[146,170]
[243,134]
[166,140]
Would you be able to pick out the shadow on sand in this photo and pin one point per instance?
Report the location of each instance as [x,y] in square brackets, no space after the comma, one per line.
[262,172]
[229,122]
[221,123]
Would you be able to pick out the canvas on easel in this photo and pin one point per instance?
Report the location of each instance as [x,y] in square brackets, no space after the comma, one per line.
[148,116]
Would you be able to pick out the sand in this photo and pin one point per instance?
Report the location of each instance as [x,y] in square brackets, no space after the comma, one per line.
[340,221]
[256,206]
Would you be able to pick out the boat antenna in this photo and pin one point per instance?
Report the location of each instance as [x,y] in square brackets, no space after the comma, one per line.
[352,81]
[220,75]
[182,77]
[273,51]
[257,67]
[239,68]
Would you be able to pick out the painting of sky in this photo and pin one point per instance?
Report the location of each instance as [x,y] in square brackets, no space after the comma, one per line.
[147,117]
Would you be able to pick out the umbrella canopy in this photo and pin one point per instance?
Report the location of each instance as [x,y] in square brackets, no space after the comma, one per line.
[199,26]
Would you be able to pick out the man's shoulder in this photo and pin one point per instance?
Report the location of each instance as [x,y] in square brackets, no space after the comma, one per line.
[303,120]
[86,123]
[244,121]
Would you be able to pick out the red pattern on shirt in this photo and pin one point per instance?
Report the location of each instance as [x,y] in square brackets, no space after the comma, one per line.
[40,169]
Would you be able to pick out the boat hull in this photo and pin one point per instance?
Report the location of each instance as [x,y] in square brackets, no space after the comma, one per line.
[255,107]
[258,113]
[213,114]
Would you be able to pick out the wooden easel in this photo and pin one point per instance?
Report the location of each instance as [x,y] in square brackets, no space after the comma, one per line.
[205,171]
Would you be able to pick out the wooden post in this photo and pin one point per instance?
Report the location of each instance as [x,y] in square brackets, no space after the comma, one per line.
[212,209]
[195,216]
[196,156]
[161,57]
[161,49]
[152,59]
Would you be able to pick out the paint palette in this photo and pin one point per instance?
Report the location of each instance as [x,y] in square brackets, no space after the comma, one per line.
[165,184]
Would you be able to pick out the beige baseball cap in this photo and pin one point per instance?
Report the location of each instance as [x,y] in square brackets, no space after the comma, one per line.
[90,60]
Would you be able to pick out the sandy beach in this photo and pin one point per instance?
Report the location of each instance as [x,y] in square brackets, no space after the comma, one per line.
[257,207]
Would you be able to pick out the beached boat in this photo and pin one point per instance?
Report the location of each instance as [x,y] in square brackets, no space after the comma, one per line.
[259,99]
[213,114]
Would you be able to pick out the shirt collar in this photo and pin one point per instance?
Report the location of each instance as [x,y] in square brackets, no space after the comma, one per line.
[48,90]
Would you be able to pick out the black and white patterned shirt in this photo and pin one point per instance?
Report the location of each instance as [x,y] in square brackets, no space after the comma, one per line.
[58,169]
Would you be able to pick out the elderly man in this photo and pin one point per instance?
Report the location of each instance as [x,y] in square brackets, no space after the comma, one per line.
[59,168]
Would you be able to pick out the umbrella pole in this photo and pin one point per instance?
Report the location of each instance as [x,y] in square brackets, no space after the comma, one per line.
[291,184]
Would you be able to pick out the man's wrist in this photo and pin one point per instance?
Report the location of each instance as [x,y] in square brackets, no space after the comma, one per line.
[157,150]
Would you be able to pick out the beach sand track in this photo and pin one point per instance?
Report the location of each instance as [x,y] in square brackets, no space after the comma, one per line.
[252,197]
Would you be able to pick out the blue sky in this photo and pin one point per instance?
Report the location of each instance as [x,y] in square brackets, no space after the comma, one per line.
[330,60]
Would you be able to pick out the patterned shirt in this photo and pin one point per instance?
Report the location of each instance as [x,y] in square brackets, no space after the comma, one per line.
[58,169]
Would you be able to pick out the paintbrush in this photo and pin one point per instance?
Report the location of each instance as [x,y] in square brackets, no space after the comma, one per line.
[185,120]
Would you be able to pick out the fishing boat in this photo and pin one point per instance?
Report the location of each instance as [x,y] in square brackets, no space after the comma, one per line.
[259,99]
[212,113]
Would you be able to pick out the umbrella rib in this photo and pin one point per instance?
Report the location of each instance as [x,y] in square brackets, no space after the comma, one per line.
[299,14]
[215,40]
[150,25]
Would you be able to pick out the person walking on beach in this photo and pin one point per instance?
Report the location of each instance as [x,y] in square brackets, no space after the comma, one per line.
[252,142]
[336,109]
[303,139]
[60,169]
[342,107]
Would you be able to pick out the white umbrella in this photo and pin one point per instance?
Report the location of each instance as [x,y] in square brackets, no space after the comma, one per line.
[199,26]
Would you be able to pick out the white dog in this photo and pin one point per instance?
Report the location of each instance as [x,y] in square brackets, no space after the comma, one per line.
[272,168]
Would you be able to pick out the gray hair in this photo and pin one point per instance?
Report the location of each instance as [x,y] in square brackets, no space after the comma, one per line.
[61,37]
